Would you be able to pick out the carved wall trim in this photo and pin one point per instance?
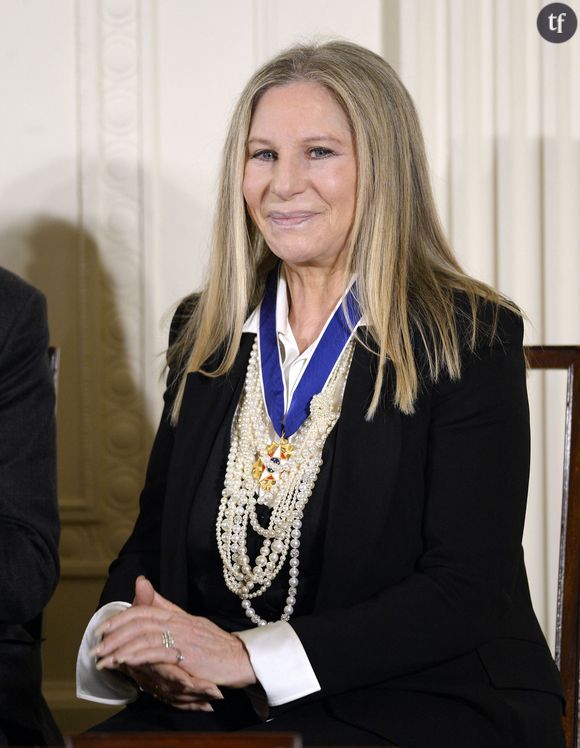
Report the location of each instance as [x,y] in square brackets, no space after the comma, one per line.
[115,431]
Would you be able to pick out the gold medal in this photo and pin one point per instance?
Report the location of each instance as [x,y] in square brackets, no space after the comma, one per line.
[267,472]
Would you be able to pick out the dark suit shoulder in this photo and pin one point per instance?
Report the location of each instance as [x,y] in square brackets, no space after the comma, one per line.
[15,294]
[23,319]
[496,325]
[15,290]
[487,328]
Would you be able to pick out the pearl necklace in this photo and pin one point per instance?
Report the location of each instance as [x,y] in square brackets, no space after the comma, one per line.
[280,474]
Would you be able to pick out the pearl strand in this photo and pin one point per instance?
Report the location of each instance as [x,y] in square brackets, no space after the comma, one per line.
[287,498]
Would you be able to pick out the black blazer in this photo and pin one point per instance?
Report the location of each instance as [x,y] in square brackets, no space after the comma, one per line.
[423,615]
[29,526]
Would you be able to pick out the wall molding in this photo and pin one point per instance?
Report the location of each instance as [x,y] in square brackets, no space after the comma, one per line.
[115,431]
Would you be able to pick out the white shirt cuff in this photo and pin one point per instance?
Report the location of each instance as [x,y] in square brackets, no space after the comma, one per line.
[102,686]
[280,662]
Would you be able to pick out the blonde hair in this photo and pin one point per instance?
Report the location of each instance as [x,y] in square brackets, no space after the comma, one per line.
[406,272]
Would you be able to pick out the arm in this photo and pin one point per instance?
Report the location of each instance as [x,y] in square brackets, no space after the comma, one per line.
[141,553]
[139,556]
[476,481]
[29,526]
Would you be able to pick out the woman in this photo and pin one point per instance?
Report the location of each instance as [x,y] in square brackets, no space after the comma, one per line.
[340,477]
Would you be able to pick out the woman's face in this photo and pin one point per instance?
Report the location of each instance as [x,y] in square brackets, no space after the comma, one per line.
[300,175]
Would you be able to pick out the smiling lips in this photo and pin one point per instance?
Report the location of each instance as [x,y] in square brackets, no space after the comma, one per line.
[292,218]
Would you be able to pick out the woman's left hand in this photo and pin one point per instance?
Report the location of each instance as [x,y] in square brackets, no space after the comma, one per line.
[174,686]
[155,632]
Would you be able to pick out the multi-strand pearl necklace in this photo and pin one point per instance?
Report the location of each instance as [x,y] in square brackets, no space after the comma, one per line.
[280,474]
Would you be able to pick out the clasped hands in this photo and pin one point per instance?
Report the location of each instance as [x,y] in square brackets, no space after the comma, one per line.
[184,670]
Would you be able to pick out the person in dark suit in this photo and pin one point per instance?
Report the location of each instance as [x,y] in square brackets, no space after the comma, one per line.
[329,536]
[29,525]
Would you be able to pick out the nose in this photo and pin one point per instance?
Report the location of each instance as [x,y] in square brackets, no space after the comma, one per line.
[288,177]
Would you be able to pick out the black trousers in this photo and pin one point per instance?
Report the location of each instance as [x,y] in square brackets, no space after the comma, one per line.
[535,721]
[14,734]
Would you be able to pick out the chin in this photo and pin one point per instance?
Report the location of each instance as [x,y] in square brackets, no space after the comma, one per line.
[297,255]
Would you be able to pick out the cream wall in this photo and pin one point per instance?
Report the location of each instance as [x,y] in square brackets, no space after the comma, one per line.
[114,113]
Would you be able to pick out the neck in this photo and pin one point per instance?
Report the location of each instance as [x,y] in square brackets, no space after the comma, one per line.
[312,295]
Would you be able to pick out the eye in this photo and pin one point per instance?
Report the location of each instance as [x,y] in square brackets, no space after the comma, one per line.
[320,152]
[264,155]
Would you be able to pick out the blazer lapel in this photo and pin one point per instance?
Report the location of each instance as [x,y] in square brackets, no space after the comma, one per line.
[205,404]
[363,475]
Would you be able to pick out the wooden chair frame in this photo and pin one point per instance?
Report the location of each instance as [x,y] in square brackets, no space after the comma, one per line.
[568,600]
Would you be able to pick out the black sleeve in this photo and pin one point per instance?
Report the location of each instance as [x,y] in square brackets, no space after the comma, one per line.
[141,552]
[29,525]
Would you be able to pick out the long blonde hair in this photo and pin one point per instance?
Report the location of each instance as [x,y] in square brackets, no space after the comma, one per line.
[406,272]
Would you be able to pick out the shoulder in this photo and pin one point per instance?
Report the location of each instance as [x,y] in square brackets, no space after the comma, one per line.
[487,325]
[492,363]
[22,308]
[16,293]
[476,329]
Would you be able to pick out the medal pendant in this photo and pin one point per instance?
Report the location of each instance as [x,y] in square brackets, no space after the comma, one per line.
[282,449]
[266,472]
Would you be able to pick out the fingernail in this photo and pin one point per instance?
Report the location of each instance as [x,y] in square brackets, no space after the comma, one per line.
[100,664]
[100,630]
[94,651]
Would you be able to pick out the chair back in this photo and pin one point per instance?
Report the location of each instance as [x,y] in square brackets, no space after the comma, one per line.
[568,600]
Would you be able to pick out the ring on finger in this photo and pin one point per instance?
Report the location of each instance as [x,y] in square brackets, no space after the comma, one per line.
[167,639]
[178,656]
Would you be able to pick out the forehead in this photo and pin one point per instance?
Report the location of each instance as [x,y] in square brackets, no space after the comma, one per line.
[301,104]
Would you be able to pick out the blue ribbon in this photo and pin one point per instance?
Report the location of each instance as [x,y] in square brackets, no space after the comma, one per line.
[331,344]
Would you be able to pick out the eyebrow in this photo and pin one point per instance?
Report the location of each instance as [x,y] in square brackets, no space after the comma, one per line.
[309,139]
